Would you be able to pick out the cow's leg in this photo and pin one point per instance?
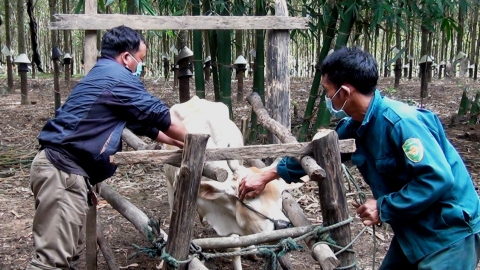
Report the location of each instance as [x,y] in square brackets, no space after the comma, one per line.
[237,261]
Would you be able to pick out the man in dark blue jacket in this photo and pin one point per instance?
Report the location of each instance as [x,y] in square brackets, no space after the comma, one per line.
[77,143]
[419,182]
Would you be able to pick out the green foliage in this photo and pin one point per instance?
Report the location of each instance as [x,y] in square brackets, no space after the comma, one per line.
[390,90]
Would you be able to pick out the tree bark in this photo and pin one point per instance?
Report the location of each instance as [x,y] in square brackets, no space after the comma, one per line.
[89,60]
[8,40]
[322,253]
[185,203]
[277,96]
[333,201]
[105,248]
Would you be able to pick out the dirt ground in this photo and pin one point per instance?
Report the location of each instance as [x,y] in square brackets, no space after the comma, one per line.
[145,186]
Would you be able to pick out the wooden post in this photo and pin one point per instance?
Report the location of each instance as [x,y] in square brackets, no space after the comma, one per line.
[105,248]
[185,203]
[332,191]
[90,59]
[322,253]
[277,96]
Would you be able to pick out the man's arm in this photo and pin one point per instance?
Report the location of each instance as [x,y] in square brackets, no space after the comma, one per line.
[177,130]
[163,138]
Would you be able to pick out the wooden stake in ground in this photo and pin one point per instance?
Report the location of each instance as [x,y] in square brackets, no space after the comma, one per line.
[185,203]
[332,191]
[90,59]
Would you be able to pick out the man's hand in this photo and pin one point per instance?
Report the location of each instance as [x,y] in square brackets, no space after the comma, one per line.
[251,185]
[368,212]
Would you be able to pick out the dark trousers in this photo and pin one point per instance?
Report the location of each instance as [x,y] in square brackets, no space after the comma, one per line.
[462,255]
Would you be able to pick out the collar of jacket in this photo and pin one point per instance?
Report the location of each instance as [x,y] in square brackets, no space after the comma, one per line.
[371,112]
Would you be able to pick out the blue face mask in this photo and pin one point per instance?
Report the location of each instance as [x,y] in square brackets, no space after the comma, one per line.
[339,114]
[139,70]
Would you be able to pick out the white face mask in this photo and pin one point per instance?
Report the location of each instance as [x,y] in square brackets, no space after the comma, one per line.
[339,114]
[139,68]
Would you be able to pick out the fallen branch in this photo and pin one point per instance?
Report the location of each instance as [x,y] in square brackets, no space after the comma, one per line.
[252,239]
[310,166]
[322,253]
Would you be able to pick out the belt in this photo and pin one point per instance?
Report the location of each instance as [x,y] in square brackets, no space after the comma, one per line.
[91,196]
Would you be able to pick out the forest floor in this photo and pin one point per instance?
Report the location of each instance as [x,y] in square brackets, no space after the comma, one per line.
[144,185]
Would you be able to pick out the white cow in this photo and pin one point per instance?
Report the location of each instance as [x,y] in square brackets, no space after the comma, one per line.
[217,203]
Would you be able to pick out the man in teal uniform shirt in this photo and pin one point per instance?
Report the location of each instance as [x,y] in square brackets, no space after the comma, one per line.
[419,182]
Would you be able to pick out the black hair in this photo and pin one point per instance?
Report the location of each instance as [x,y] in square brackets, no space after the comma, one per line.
[120,39]
[353,66]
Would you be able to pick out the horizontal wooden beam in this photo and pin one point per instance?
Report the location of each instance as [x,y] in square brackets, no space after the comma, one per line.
[145,22]
[229,153]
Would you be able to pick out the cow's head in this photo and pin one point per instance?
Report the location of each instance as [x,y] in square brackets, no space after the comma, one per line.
[221,208]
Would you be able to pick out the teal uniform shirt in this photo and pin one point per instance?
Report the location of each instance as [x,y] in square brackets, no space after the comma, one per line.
[421,184]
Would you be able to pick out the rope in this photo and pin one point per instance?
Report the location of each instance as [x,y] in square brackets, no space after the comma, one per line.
[361,199]
[266,251]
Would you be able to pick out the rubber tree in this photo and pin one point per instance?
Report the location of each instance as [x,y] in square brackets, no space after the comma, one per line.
[224,55]
[259,70]
[8,41]
[197,54]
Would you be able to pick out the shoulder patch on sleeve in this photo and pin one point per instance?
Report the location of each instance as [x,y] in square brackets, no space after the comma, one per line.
[413,149]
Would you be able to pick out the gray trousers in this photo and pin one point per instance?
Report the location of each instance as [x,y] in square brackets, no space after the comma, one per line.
[60,214]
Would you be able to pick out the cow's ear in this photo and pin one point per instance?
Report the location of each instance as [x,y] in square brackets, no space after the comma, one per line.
[209,191]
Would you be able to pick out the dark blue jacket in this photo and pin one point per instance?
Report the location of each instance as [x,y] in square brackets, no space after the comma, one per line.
[421,184]
[88,127]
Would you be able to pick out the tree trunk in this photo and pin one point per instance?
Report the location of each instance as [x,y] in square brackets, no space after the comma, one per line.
[398,40]
[197,54]
[258,70]
[183,92]
[412,38]
[54,41]
[475,69]
[423,73]
[386,55]
[214,63]
[66,43]
[36,59]
[278,81]
[21,26]
[8,40]
[474,34]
